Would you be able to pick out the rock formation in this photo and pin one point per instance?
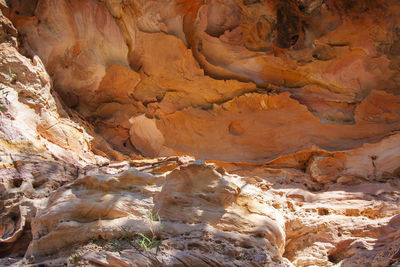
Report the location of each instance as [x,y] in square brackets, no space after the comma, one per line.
[291,108]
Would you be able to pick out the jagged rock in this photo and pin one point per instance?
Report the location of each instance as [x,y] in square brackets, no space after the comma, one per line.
[199,206]
[209,217]
[41,147]
[297,100]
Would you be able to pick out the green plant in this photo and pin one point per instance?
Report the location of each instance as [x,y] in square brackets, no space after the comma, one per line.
[11,75]
[153,217]
[149,243]
[146,243]
[141,240]
[126,236]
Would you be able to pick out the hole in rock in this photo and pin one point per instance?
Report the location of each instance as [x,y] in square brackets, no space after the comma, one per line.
[17,248]
[333,259]
[323,211]
[294,39]
[17,182]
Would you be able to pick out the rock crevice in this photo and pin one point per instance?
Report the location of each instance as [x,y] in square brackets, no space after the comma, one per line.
[199,133]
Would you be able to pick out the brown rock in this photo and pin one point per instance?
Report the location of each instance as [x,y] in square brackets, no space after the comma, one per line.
[331,58]
[299,99]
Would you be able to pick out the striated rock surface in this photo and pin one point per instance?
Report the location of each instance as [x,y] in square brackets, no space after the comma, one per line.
[200,215]
[222,75]
[291,108]
[199,206]
[41,146]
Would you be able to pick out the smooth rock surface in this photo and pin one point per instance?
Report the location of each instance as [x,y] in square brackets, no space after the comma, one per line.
[291,110]
[329,68]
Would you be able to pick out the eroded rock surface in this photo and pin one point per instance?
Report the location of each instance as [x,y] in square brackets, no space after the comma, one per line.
[291,108]
[200,215]
[329,68]
[199,206]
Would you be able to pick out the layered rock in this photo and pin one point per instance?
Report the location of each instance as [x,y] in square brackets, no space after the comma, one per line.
[330,66]
[297,100]
[41,146]
[200,215]
[199,206]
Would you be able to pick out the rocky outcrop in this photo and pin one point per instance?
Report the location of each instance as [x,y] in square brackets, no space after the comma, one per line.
[41,146]
[198,205]
[325,67]
[291,108]
[197,214]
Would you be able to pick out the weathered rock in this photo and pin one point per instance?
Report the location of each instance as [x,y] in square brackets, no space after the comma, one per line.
[41,146]
[200,215]
[198,205]
[30,116]
[298,100]
[335,67]
[337,62]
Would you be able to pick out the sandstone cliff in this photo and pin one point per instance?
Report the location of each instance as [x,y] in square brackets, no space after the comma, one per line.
[292,109]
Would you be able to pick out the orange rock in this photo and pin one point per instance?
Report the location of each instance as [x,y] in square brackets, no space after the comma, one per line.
[183,62]
[298,100]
